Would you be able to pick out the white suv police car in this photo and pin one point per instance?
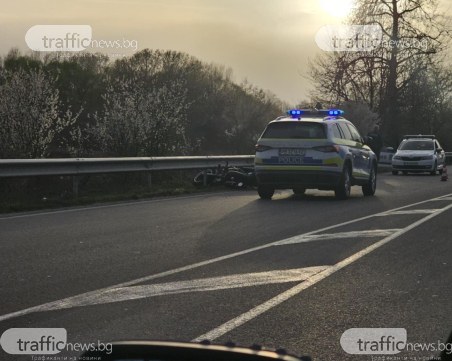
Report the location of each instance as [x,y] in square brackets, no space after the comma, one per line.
[316,149]
[419,153]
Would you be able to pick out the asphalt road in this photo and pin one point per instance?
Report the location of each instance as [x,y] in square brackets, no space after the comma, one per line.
[294,272]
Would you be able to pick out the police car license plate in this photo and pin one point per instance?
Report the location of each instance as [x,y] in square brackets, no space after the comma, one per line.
[291,155]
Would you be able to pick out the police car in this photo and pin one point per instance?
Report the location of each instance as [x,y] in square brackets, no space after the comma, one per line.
[314,149]
[419,153]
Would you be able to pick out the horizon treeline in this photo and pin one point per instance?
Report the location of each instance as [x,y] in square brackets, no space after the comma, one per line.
[154,103]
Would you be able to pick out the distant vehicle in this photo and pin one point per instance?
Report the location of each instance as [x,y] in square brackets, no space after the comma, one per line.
[386,155]
[417,154]
[316,149]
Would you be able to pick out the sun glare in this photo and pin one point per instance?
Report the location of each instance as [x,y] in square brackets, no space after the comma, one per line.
[338,8]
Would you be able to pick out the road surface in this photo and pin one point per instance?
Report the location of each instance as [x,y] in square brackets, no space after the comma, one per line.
[295,272]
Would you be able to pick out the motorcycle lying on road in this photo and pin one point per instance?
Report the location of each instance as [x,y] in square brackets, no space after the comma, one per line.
[240,177]
[232,177]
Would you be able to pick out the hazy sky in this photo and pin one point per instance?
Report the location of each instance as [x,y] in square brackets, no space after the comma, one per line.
[268,42]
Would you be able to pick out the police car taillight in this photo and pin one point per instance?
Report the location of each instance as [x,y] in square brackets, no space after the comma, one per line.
[262,148]
[328,149]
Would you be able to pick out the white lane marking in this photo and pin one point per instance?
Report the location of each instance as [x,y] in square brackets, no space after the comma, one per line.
[447,198]
[197,285]
[122,204]
[409,212]
[275,301]
[201,264]
[342,235]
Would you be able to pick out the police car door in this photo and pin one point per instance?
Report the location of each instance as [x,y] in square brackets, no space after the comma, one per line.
[364,153]
[353,145]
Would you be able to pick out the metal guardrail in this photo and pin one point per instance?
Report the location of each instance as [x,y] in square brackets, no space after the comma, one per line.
[77,167]
[81,166]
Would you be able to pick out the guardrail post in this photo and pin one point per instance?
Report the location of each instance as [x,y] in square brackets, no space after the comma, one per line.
[149,176]
[75,185]
[204,178]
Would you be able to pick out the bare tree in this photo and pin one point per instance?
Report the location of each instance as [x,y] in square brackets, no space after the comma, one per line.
[414,34]
[143,121]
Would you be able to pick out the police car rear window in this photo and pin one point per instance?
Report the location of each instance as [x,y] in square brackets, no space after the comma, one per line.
[295,130]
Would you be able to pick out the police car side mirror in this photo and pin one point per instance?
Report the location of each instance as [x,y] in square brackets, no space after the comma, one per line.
[439,150]
[367,139]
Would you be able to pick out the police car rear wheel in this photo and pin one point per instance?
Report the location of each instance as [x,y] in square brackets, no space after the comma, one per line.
[265,192]
[344,188]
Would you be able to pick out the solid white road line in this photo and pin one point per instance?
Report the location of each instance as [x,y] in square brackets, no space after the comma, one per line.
[114,205]
[275,301]
[202,263]
[197,285]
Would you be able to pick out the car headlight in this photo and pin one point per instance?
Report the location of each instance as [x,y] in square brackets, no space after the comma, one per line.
[427,157]
[397,157]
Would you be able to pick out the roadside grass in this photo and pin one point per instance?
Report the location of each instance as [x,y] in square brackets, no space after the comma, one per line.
[56,192]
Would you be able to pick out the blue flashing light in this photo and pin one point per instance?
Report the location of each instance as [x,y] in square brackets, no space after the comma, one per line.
[314,113]
[295,113]
[335,112]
